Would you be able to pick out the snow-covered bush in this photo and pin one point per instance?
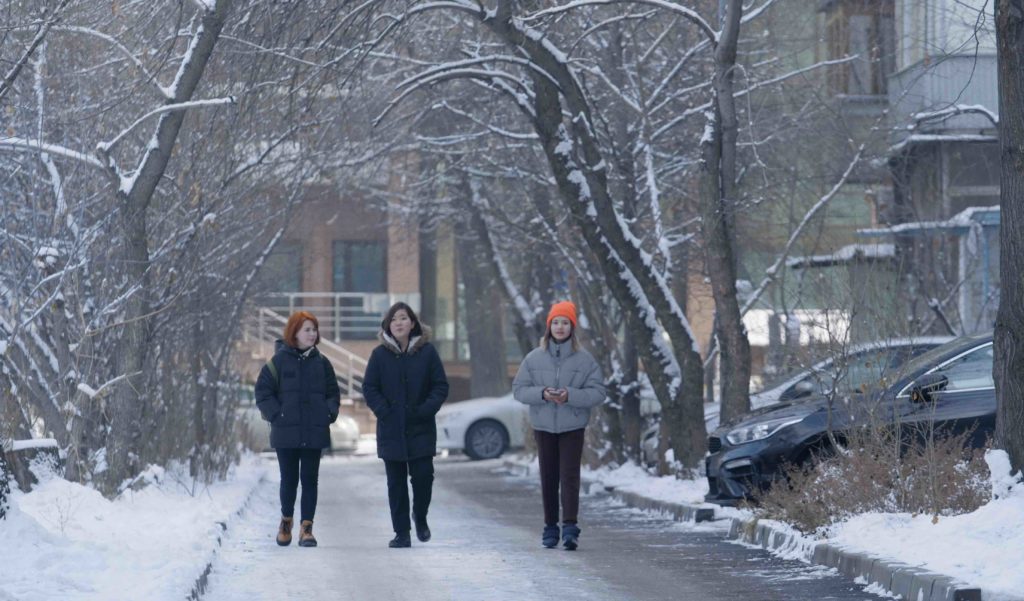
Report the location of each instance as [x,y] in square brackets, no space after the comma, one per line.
[880,470]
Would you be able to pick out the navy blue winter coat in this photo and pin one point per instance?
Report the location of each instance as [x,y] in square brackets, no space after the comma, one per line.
[405,391]
[302,402]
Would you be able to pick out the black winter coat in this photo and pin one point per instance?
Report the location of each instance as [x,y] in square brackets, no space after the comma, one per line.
[405,391]
[303,402]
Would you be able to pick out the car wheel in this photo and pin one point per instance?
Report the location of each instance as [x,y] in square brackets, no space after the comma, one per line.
[486,439]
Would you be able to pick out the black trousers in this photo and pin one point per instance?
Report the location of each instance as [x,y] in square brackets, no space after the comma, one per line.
[560,456]
[299,465]
[421,473]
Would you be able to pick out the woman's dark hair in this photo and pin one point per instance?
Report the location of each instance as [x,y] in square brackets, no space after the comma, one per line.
[395,308]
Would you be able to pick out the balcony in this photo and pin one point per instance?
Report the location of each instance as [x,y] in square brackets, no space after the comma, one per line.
[922,96]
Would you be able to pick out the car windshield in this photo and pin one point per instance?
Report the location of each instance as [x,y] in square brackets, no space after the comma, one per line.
[860,372]
[857,371]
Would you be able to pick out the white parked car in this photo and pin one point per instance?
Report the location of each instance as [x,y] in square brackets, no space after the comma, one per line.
[482,428]
[344,435]
[344,431]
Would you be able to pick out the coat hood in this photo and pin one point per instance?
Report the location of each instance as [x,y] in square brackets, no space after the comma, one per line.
[415,343]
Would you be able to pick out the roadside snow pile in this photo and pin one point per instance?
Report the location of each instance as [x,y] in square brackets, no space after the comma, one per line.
[983,548]
[633,478]
[66,541]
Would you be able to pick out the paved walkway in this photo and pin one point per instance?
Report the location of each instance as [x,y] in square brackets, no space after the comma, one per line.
[486,546]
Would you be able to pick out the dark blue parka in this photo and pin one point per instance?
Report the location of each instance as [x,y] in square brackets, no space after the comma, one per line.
[405,390]
[302,402]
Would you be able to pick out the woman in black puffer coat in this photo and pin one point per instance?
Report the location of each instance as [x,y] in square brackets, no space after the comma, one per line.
[404,386]
[297,392]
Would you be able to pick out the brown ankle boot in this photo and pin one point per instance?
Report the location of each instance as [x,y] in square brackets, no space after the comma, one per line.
[306,534]
[284,532]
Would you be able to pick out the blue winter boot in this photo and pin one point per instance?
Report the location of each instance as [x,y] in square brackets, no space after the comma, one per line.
[550,537]
[570,536]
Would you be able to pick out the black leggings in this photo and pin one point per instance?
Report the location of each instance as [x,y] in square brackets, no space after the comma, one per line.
[296,465]
[421,472]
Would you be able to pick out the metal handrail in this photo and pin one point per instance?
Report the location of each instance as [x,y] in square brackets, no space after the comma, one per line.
[343,316]
[350,376]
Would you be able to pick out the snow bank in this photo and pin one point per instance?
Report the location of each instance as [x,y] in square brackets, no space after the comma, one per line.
[984,548]
[633,478]
[66,541]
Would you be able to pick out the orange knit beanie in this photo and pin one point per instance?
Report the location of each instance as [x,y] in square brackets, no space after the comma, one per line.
[563,309]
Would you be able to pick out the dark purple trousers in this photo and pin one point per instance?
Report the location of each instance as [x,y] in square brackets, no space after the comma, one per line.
[559,456]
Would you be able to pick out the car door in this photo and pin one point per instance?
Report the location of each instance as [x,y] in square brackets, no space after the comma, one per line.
[967,400]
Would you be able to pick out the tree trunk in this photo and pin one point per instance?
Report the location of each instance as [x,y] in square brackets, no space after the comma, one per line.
[718,194]
[488,371]
[526,330]
[631,419]
[1009,331]
[125,402]
[197,458]
[577,165]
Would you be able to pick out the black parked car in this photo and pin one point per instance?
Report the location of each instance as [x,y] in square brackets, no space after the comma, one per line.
[950,386]
[861,363]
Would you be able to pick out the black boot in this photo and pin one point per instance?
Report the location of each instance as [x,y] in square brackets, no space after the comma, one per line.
[550,536]
[422,529]
[401,540]
[570,536]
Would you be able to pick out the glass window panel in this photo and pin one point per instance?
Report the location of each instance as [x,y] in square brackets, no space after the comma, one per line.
[860,71]
[359,266]
[973,370]
[974,165]
[282,271]
[338,267]
[368,267]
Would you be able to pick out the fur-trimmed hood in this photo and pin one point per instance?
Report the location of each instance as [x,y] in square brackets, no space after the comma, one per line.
[415,343]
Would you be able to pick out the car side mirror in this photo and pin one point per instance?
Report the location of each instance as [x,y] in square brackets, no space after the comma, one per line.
[924,388]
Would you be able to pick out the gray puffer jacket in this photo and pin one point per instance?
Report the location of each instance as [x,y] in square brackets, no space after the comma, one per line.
[558,366]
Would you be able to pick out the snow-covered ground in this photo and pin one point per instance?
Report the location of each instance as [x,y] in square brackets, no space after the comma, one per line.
[65,541]
[984,548]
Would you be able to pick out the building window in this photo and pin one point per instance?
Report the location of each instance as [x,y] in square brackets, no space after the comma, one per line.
[282,272]
[862,31]
[360,266]
[359,270]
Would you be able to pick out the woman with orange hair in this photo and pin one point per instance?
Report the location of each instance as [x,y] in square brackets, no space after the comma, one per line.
[297,392]
[561,383]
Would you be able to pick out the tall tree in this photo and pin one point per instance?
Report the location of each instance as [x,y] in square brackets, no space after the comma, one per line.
[719,198]
[1009,331]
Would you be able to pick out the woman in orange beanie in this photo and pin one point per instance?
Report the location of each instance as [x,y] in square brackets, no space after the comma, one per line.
[561,383]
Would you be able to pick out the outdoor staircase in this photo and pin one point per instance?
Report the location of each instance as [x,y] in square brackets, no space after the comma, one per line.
[263,328]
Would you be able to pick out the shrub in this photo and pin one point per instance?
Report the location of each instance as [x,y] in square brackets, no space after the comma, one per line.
[881,470]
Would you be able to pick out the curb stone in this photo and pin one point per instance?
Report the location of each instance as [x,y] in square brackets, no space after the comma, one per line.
[909,582]
[203,580]
[913,584]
